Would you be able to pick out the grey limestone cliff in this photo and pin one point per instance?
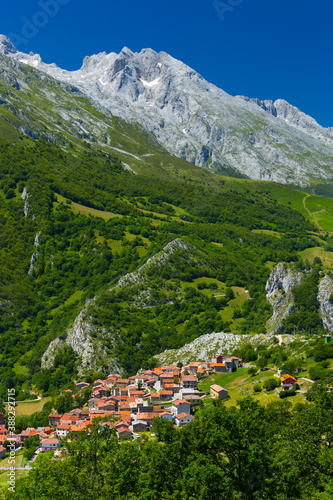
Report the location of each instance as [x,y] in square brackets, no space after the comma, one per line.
[325,291]
[279,294]
[81,338]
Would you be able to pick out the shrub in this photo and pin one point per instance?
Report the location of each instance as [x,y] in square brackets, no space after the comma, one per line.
[257,388]
[271,383]
[287,394]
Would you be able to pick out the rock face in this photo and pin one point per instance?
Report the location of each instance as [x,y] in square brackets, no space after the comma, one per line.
[25,197]
[80,338]
[196,120]
[279,294]
[157,260]
[325,290]
[34,256]
[203,348]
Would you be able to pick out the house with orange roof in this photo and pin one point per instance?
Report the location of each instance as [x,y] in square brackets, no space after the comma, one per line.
[189,382]
[54,419]
[122,382]
[180,406]
[27,433]
[75,429]
[183,419]
[220,368]
[123,432]
[136,393]
[126,416]
[81,385]
[50,444]
[67,391]
[287,382]
[98,382]
[62,430]
[166,395]
[217,392]
[146,417]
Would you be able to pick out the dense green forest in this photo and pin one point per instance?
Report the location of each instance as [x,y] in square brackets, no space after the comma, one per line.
[82,253]
[244,452]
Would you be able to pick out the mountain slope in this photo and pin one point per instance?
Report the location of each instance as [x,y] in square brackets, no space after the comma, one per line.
[36,106]
[197,121]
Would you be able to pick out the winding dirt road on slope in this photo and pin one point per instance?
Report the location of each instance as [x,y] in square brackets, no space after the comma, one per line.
[304,205]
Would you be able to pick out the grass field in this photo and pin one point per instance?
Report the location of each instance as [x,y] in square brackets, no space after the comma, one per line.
[267,231]
[311,253]
[20,369]
[4,473]
[240,384]
[30,406]
[77,208]
[317,209]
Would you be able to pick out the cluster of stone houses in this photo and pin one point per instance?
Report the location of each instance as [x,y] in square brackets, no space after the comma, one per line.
[130,405]
[135,401]
[43,434]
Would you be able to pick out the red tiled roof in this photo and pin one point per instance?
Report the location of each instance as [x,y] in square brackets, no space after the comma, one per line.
[287,377]
[50,441]
[217,388]
[179,402]
[123,429]
[182,415]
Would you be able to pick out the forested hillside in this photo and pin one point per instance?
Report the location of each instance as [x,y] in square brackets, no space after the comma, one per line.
[97,222]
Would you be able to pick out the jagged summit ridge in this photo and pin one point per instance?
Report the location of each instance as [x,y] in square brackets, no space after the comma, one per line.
[197,121]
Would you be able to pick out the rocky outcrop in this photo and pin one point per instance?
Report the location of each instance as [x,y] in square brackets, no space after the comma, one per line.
[81,337]
[25,197]
[279,294]
[325,290]
[34,256]
[203,348]
[158,260]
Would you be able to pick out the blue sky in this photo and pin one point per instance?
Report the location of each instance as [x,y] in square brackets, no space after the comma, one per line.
[268,49]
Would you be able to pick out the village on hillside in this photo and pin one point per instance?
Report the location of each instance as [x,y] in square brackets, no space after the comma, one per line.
[130,405]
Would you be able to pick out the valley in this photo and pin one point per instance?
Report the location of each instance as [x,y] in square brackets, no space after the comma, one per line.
[144,229]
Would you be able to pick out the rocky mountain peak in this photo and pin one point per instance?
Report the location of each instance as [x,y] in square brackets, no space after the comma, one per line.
[197,121]
[6,46]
